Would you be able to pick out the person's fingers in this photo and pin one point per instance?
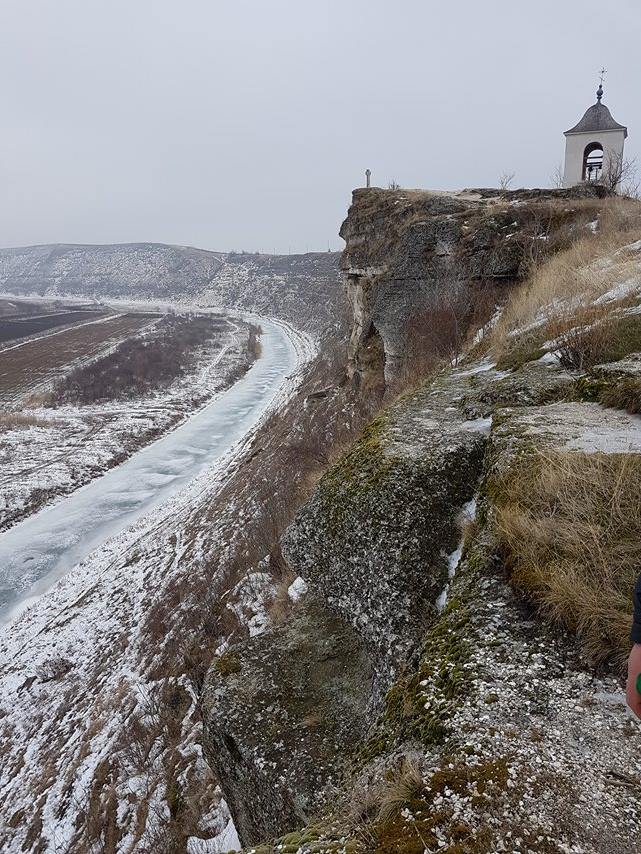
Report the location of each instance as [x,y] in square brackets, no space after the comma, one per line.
[633,699]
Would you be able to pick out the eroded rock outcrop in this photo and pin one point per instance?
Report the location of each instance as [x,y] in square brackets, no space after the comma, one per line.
[283,712]
[415,257]
[374,539]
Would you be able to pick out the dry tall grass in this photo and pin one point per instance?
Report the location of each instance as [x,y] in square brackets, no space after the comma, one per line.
[16,420]
[280,605]
[399,792]
[570,525]
[570,281]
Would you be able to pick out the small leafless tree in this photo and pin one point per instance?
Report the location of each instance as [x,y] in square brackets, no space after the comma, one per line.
[619,172]
[505,180]
[630,185]
[631,189]
[556,177]
[393,185]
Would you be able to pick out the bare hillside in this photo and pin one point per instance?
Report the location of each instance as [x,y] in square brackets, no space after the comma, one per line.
[302,289]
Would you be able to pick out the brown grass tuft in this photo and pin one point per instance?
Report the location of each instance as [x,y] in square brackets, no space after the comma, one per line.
[625,394]
[570,525]
[404,788]
[280,606]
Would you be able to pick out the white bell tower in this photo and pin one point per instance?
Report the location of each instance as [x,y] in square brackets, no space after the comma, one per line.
[594,147]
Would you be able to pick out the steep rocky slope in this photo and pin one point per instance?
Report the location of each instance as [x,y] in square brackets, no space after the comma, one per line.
[488,727]
[285,286]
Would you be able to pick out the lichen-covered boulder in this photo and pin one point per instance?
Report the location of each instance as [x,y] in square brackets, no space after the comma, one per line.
[282,712]
[374,539]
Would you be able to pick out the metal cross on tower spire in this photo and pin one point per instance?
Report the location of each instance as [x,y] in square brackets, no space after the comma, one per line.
[599,91]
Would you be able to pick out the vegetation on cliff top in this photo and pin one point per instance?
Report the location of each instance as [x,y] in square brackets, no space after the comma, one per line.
[571,299]
[570,529]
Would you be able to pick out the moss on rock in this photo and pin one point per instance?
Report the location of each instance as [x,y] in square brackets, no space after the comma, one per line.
[373,539]
[280,723]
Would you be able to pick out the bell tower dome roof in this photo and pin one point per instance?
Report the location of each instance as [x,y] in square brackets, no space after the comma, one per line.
[597,118]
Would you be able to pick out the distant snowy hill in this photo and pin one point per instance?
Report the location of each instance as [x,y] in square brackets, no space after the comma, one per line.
[303,289]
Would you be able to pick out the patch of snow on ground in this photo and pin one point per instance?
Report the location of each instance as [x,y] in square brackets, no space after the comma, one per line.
[549,358]
[478,425]
[484,330]
[586,427]
[227,840]
[297,589]
[620,291]
[480,368]
[467,514]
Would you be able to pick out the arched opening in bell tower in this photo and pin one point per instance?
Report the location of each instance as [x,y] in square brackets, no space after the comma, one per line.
[593,162]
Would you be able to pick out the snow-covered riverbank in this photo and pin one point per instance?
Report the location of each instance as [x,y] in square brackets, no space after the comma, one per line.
[74,666]
[38,551]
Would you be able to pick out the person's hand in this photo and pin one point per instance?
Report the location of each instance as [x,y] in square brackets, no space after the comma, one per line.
[632,696]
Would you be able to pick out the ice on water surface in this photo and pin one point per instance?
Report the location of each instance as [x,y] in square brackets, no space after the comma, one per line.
[36,552]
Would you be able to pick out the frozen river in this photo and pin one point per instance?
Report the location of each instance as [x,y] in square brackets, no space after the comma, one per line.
[38,551]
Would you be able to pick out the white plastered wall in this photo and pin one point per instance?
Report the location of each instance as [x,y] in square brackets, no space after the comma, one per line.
[612,142]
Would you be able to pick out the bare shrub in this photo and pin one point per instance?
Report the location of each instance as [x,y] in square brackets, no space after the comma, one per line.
[556,178]
[438,334]
[53,668]
[584,339]
[39,399]
[435,335]
[618,171]
[570,528]
[280,605]
[203,631]
[364,803]
[505,180]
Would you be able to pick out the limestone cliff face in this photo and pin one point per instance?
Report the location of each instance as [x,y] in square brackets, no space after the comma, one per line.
[371,661]
[374,538]
[410,252]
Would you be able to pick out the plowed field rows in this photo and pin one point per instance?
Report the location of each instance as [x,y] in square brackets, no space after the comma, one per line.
[28,365]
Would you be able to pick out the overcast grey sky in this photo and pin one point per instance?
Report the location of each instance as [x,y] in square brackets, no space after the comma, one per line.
[245,124]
